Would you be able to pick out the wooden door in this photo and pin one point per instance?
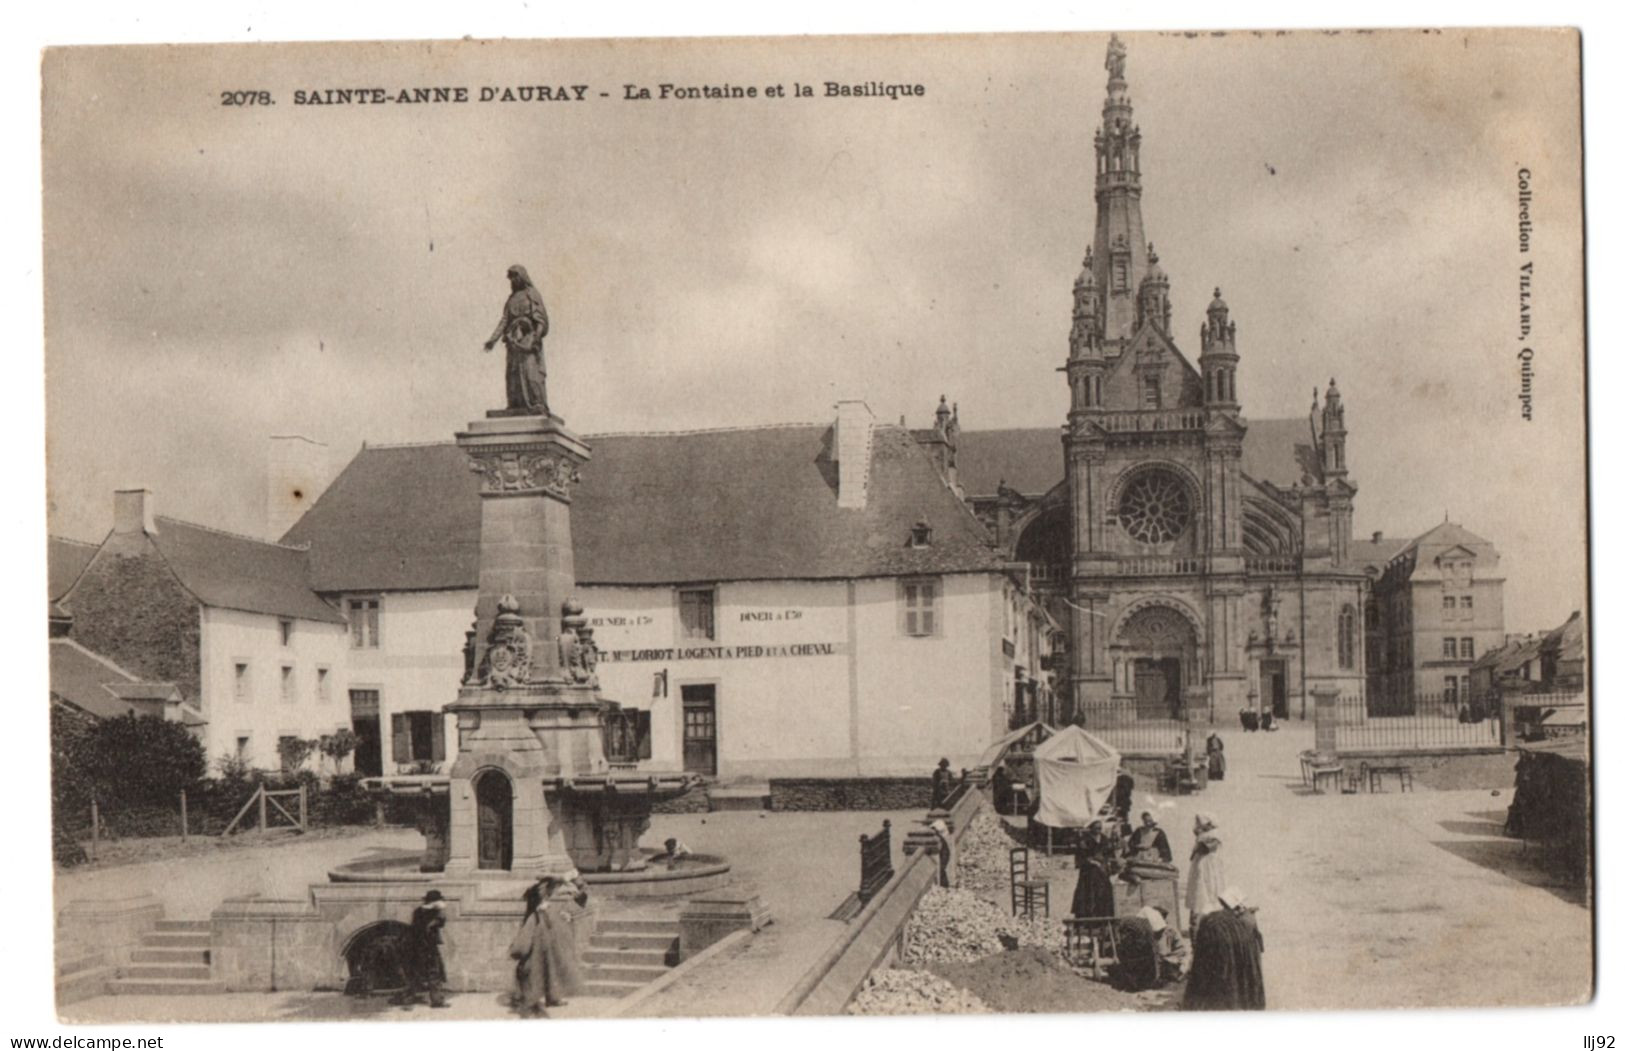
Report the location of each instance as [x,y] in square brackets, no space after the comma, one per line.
[1156,688]
[1274,676]
[493,797]
[700,729]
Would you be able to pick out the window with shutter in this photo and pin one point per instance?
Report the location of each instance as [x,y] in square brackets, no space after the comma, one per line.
[918,599]
[645,735]
[400,738]
[697,611]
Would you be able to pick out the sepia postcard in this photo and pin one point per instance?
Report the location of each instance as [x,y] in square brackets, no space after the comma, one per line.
[810,526]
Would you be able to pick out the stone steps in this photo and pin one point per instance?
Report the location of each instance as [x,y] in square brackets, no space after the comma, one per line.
[645,927]
[630,942]
[626,954]
[170,956]
[618,973]
[188,972]
[172,960]
[182,926]
[741,797]
[627,957]
[164,986]
[175,940]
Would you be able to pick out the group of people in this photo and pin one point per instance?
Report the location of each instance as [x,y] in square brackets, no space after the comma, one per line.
[547,969]
[1223,959]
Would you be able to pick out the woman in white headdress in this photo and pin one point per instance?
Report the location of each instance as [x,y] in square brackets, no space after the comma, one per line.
[1207,872]
[947,864]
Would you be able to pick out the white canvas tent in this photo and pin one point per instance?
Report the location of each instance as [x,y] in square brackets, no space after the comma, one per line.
[995,751]
[1076,773]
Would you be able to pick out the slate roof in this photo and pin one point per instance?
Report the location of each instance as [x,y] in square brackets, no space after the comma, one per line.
[238,572]
[1567,641]
[748,504]
[1374,554]
[1420,552]
[66,559]
[80,677]
[1031,460]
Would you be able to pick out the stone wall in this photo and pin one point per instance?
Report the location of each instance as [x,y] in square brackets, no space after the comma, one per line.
[850,793]
[694,801]
[261,945]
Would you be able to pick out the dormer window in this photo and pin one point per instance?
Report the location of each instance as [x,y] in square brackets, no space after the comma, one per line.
[920,535]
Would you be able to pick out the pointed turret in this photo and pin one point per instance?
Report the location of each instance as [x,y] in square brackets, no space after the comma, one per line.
[1086,364]
[1119,258]
[1219,358]
[1333,434]
[1154,307]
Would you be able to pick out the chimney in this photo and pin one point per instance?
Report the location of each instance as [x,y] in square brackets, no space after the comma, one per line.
[132,511]
[296,474]
[854,440]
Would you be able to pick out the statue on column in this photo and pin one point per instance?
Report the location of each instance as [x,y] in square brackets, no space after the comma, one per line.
[523,324]
[1116,54]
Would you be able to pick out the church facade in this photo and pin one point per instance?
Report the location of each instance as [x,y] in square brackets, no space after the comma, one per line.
[1204,562]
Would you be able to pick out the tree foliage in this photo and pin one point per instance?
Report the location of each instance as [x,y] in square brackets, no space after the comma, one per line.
[141,760]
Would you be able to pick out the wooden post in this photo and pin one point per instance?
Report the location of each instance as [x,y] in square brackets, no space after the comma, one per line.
[183,815]
[262,808]
[95,828]
[304,812]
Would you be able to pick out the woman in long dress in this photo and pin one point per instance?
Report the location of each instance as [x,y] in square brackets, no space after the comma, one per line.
[1227,973]
[1093,897]
[546,971]
[1207,872]
[1215,758]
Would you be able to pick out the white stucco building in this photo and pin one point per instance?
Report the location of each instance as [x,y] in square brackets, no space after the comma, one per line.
[800,600]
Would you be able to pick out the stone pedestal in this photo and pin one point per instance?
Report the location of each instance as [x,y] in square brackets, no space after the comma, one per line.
[709,918]
[528,710]
[1325,698]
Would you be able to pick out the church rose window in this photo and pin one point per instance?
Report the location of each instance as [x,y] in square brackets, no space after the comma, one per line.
[1155,508]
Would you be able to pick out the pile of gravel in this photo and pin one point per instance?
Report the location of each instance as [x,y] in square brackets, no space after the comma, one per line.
[905,992]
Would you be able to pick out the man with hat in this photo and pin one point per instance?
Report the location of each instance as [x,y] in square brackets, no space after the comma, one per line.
[425,969]
[942,784]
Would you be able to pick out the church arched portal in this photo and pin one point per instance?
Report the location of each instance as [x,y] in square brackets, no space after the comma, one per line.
[1157,661]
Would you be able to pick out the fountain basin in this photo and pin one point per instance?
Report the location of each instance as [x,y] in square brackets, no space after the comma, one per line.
[692,874]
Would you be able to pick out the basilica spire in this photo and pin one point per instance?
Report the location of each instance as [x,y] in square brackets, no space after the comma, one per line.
[1120,257]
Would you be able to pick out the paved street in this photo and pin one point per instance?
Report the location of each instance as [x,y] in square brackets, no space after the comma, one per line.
[1388,900]
[1366,901]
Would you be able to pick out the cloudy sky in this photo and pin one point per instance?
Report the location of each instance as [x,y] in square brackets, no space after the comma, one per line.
[216,274]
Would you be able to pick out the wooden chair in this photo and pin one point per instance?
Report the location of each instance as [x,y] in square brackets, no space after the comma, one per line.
[1026,893]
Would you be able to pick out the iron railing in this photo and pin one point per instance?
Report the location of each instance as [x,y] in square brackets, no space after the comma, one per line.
[1422,723]
[874,861]
[1121,723]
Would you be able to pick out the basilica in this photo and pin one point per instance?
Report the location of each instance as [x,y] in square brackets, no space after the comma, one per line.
[1204,562]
